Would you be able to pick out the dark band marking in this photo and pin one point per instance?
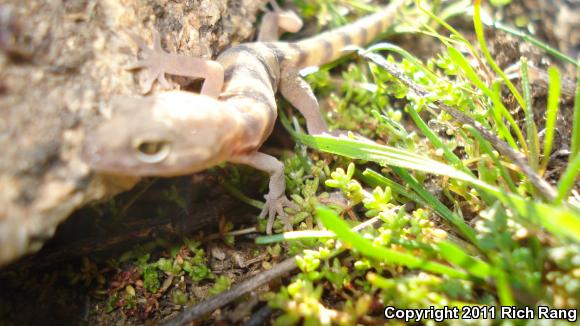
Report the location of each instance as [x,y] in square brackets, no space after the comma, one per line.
[302,55]
[328,48]
[257,96]
[373,30]
[239,49]
[259,57]
[363,35]
[384,25]
[278,52]
[245,70]
[346,39]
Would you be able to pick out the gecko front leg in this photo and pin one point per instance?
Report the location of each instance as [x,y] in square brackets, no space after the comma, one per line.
[276,198]
[158,63]
[296,91]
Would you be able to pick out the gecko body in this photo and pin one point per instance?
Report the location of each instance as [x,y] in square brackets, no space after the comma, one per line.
[177,133]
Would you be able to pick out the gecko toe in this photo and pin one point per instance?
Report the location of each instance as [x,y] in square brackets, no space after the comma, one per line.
[154,73]
[275,207]
[147,84]
[136,65]
[140,43]
[265,209]
[152,62]
[157,41]
[162,81]
[271,219]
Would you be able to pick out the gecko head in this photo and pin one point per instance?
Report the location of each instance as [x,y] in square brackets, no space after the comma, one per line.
[172,133]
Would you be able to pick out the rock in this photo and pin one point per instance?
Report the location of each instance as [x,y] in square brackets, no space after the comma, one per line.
[61,62]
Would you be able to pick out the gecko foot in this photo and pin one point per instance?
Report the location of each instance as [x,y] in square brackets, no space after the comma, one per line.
[277,19]
[153,59]
[275,206]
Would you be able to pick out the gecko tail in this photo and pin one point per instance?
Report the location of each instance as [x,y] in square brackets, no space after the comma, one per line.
[329,46]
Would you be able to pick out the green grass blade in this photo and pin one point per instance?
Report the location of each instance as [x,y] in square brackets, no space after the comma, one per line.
[486,147]
[294,235]
[504,291]
[236,193]
[369,151]
[332,222]
[384,46]
[498,109]
[436,141]
[456,255]
[453,218]
[503,111]
[568,179]
[441,22]
[551,114]
[561,221]
[575,146]
[531,130]
[477,24]
[374,179]
[529,38]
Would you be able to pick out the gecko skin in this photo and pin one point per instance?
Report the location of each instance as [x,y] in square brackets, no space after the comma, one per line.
[178,133]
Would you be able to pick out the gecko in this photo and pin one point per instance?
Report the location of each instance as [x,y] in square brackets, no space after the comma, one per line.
[176,133]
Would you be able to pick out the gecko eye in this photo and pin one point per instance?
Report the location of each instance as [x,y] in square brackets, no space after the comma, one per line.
[152,151]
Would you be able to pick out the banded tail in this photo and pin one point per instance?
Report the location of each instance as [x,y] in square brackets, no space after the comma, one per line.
[328,46]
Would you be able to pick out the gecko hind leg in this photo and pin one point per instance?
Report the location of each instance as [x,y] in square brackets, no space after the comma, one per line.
[277,20]
[300,95]
[276,198]
[158,63]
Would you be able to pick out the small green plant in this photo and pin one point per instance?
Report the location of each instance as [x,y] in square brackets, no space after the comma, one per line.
[137,285]
[461,215]
[433,212]
[222,283]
